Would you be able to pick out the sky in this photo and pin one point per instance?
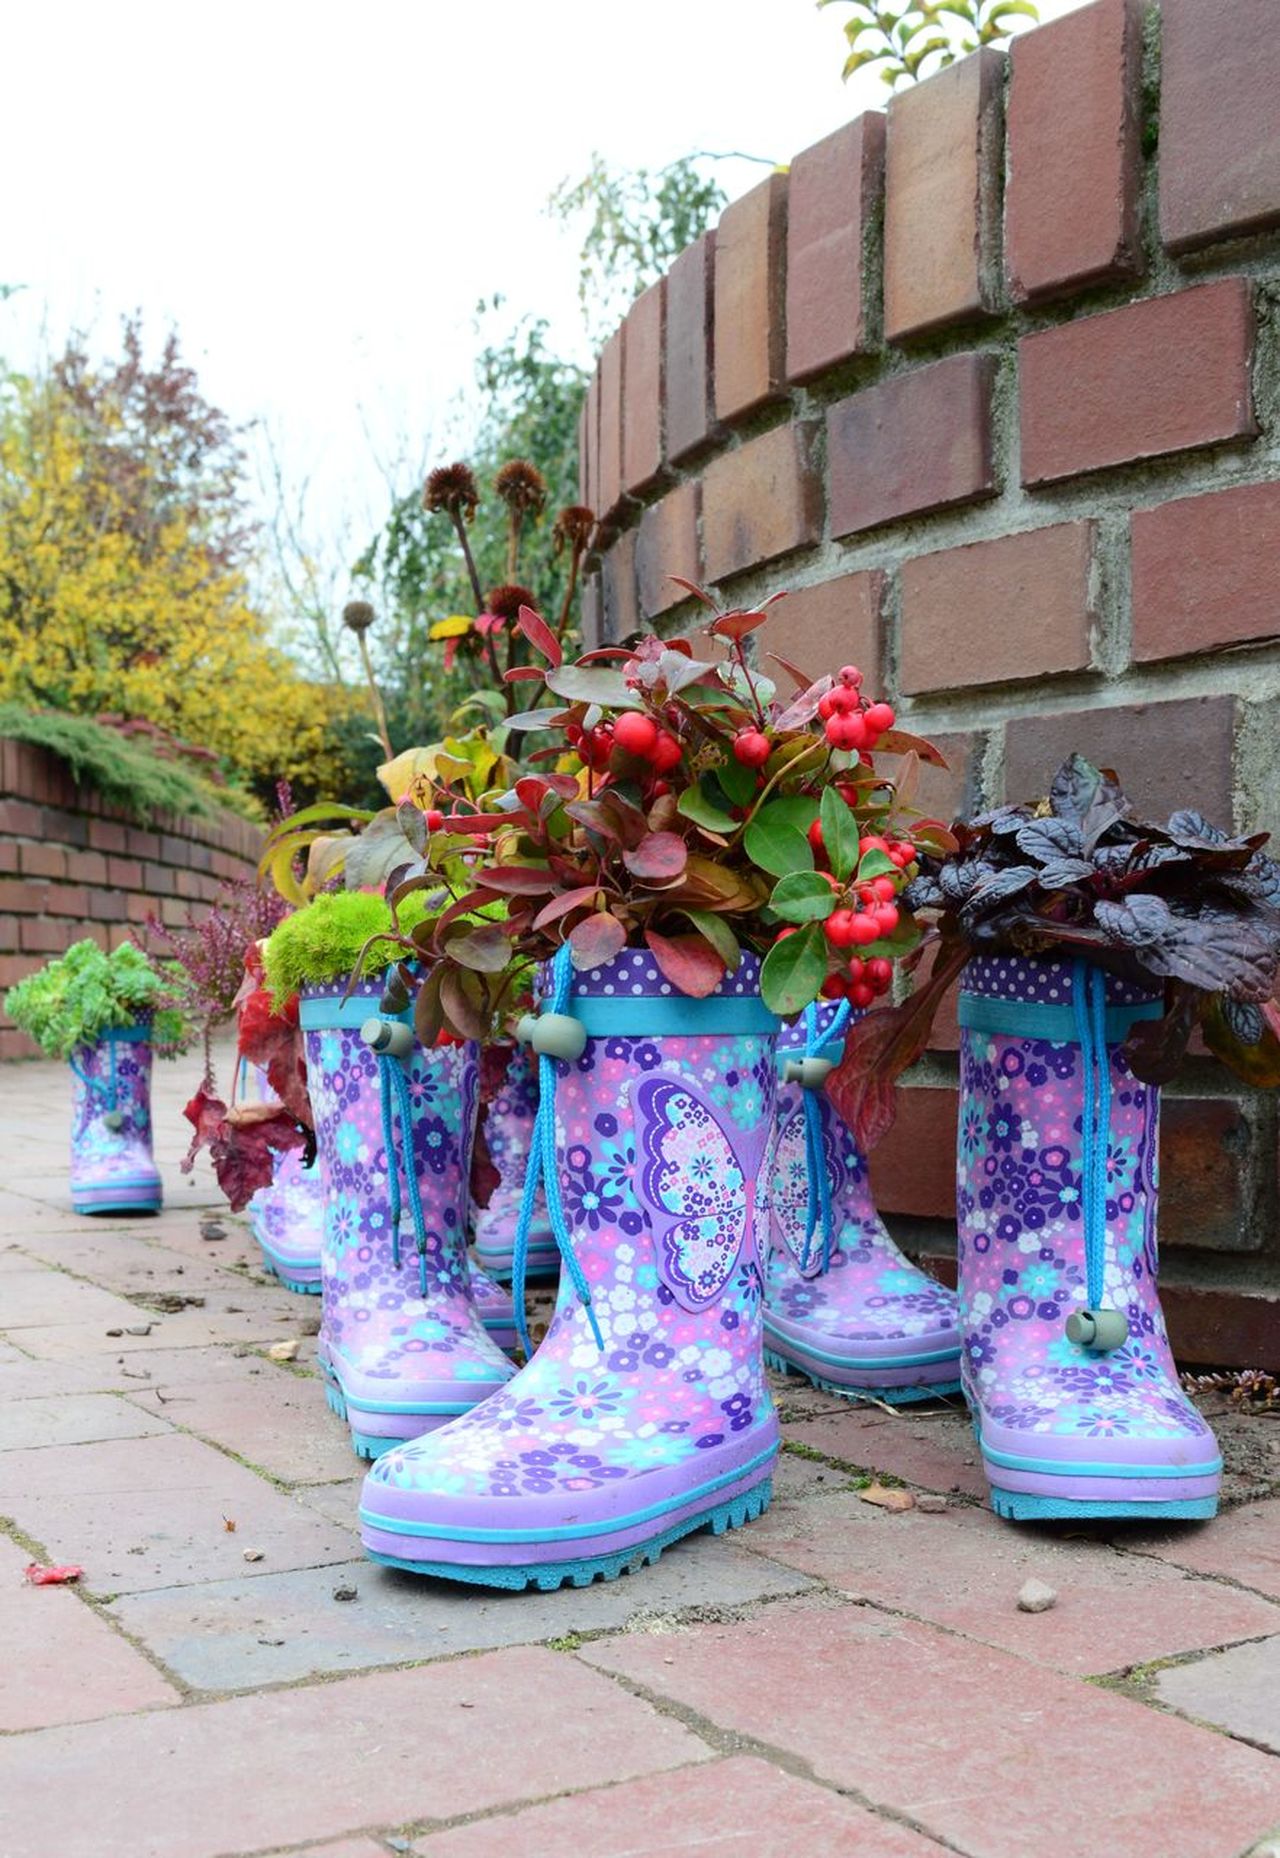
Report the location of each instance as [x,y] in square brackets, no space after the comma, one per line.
[316,196]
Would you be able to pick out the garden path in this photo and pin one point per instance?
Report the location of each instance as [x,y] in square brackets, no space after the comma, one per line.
[231,1678]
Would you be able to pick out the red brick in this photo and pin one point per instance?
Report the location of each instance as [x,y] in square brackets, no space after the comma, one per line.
[1205,1148]
[1204,572]
[51,935]
[833,200]
[642,345]
[106,835]
[609,486]
[913,1170]
[667,544]
[21,818]
[621,614]
[820,628]
[759,501]
[690,292]
[918,441]
[159,880]
[1071,205]
[71,829]
[1021,606]
[591,611]
[142,844]
[78,900]
[140,909]
[25,896]
[1219,140]
[86,867]
[750,297]
[942,192]
[590,445]
[17,1045]
[8,856]
[42,860]
[1168,755]
[15,968]
[187,884]
[125,872]
[1160,376]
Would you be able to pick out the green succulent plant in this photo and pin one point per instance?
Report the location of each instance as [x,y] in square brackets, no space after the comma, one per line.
[72,1001]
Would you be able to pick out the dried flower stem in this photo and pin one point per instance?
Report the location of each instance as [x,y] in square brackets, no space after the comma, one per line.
[379,708]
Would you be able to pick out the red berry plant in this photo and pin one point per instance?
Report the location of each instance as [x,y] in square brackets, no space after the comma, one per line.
[678,804]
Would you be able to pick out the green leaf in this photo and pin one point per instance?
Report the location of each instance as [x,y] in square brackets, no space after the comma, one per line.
[794,970]
[839,834]
[719,934]
[696,804]
[738,782]
[804,897]
[776,847]
[592,684]
[876,863]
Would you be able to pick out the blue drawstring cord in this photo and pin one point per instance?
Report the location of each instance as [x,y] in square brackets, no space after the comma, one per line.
[1089,1003]
[819,1202]
[543,1169]
[394,1086]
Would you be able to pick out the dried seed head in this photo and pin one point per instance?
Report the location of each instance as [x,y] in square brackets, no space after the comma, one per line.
[522,487]
[574,529]
[505,602]
[358,615]
[452,488]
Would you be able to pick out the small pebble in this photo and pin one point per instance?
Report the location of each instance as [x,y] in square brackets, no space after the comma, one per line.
[931,1503]
[115,1331]
[253,1554]
[139,1328]
[1036,1597]
[346,1593]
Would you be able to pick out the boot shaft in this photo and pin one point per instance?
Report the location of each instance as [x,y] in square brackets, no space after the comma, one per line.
[791,1184]
[111,1089]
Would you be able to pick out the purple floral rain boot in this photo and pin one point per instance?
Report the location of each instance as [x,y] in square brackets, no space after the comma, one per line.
[287,1218]
[842,1306]
[1067,1367]
[508,1131]
[401,1346]
[113,1169]
[645,1413]
[495,1308]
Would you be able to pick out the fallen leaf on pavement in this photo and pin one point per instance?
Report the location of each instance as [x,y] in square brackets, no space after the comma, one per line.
[887,1498]
[40,1576]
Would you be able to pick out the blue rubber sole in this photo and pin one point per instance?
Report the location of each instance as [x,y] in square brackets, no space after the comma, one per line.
[892,1396]
[1018,1506]
[547,1577]
[363,1444]
[299,1288]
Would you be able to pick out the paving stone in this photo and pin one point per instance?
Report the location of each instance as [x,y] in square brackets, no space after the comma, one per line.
[339,1502]
[1243,1544]
[76,1420]
[62,1663]
[290,1766]
[937,1453]
[343,1848]
[276,1420]
[130,1263]
[995,1755]
[211,1635]
[248,1322]
[166,1497]
[1239,1690]
[964,1571]
[38,1297]
[740,1808]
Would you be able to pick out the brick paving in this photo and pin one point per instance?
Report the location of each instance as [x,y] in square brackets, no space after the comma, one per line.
[835,1679]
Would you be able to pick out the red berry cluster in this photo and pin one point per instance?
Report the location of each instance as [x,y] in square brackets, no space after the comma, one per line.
[633,732]
[851,722]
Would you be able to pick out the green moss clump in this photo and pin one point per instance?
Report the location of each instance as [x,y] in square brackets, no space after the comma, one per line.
[322,941]
[86,992]
[124,773]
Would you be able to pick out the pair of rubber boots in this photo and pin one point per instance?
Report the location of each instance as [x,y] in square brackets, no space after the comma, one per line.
[113,1167]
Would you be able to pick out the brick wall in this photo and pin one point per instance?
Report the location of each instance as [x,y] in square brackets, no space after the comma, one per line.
[991,382]
[73,867]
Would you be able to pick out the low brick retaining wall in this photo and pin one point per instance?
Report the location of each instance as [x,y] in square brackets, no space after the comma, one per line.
[73,866]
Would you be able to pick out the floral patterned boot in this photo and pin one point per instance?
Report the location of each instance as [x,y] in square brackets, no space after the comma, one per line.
[843,1306]
[645,1413]
[1067,1367]
[402,1346]
[113,1169]
[508,1129]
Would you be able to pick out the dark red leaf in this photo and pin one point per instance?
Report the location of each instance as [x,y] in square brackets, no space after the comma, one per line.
[596,940]
[583,898]
[540,635]
[688,961]
[658,858]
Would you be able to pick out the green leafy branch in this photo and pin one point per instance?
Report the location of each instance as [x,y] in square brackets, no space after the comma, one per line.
[904,37]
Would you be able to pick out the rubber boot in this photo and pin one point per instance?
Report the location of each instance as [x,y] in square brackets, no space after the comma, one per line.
[843,1306]
[113,1169]
[644,1414]
[1067,1367]
[507,1130]
[401,1345]
[287,1218]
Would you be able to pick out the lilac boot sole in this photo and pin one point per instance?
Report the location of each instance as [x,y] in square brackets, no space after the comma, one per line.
[913,1377]
[1045,1491]
[409,1421]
